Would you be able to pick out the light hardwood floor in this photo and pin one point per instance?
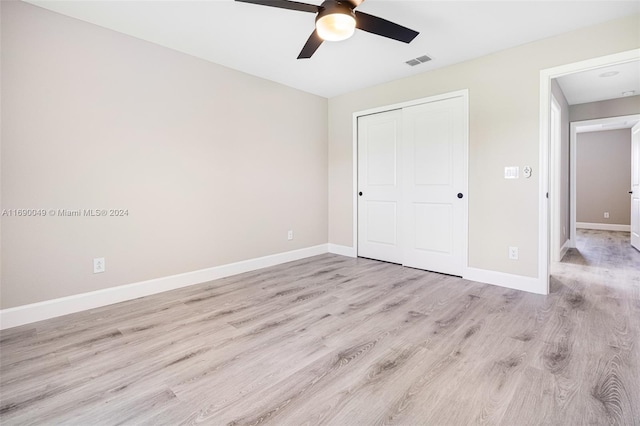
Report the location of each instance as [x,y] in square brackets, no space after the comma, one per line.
[334,340]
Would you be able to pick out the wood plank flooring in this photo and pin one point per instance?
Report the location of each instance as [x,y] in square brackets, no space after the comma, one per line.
[334,340]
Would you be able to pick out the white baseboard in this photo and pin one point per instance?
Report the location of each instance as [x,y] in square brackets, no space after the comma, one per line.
[516,282]
[34,312]
[342,250]
[604,226]
[565,248]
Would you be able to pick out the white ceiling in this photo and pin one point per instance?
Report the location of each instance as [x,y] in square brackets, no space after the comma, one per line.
[598,85]
[265,41]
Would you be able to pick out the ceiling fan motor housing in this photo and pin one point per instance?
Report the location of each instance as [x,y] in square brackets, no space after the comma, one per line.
[329,7]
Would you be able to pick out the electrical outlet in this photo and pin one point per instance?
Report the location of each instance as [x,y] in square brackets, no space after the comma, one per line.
[513,253]
[290,235]
[98,265]
[606,215]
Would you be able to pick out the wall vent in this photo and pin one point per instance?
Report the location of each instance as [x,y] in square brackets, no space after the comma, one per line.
[417,61]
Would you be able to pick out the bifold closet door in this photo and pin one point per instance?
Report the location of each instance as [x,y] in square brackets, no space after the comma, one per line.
[379,191]
[434,176]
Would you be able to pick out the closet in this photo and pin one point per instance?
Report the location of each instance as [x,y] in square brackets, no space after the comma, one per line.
[412,184]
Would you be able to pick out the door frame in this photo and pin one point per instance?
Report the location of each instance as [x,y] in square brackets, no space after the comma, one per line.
[464,94]
[547,175]
[573,150]
[555,155]
[635,171]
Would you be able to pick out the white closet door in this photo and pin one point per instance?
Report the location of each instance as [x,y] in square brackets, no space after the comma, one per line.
[379,220]
[434,186]
[635,186]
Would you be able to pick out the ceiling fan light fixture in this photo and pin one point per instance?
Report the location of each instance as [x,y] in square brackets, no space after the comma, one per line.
[336,23]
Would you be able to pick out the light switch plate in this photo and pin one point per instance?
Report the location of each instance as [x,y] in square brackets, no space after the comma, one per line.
[512,172]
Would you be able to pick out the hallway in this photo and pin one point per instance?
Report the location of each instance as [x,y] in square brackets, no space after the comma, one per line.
[602,262]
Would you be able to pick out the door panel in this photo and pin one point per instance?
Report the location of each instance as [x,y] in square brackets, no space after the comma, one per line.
[635,186]
[434,173]
[378,181]
[432,149]
[433,227]
[381,154]
[382,222]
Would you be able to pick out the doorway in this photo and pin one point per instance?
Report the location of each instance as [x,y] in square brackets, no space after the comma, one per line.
[591,140]
[600,204]
[550,172]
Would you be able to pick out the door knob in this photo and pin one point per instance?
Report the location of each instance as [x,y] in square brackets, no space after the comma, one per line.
[360,193]
[460,195]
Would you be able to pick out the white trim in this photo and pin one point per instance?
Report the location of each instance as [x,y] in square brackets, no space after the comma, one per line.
[565,248]
[464,94]
[342,250]
[435,98]
[27,314]
[604,226]
[555,190]
[516,282]
[545,104]
[573,147]
[543,184]
[354,200]
[573,163]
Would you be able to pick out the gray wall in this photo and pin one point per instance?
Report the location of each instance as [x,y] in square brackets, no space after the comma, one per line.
[565,201]
[593,197]
[603,177]
[504,131]
[604,109]
[213,165]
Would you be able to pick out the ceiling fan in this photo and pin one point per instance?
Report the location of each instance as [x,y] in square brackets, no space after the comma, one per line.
[337,20]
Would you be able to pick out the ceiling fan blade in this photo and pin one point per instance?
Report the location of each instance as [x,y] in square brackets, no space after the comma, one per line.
[285,4]
[382,27]
[310,46]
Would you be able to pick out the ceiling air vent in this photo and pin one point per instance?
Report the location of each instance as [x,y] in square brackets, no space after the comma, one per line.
[417,61]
